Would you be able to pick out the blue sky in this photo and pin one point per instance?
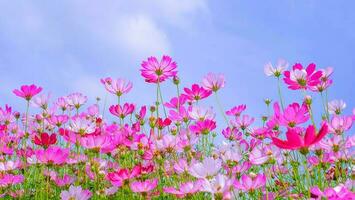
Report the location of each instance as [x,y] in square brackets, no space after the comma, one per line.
[67,46]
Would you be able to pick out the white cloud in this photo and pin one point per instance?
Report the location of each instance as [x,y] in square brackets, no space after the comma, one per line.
[141,36]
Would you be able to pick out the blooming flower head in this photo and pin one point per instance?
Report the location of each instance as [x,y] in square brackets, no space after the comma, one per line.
[144,186]
[276,71]
[45,140]
[52,155]
[196,93]
[76,99]
[41,101]
[213,82]
[10,179]
[185,189]
[75,193]
[300,78]
[95,142]
[294,140]
[117,86]
[203,127]
[336,106]
[250,183]
[208,168]
[156,72]
[236,111]
[201,113]
[122,111]
[293,115]
[27,91]
[82,126]
[340,124]
[243,122]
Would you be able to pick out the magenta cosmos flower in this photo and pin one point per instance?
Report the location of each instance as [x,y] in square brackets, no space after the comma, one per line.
[156,72]
[122,111]
[236,110]
[203,127]
[75,193]
[295,141]
[300,78]
[117,86]
[52,155]
[27,91]
[10,179]
[213,82]
[293,115]
[196,93]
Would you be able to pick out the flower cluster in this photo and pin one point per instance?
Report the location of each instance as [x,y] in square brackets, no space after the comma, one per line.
[176,148]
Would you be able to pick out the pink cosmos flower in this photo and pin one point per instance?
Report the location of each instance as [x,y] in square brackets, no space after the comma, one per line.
[27,91]
[293,115]
[176,102]
[232,134]
[294,140]
[185,189]
[122,111]
[219,186]
[95,142]
[41,101]
[325,80]
[213,82]
[209,167]
[82,125]
[117,86]
[250,183]
[123,176]
[66,180]
[58,120]
[10,179]
[181,166]
[45,140]
[62,103]
[201,113]
[154,71]
[75,193]
[144,186]
[9,165]
[52,155]
[196,93]
[340,124]
[300,78]
[242,122]
[336,106]
[236,111]
[338,192]
[263,153]
[276,71]
[76,100]
[203,127]
[180,116]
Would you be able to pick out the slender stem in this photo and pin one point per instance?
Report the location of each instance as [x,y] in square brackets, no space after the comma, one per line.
[279,92]
[221,109]
[161,100]
[104,108]
[308,178]
[325,107]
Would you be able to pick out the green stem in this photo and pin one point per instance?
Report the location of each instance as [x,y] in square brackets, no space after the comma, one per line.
[221,109]
[279,92]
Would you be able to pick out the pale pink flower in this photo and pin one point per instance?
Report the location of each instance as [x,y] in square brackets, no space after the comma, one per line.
[201,113]
[340,124]
[336,106]
[9,165]
[209,167]
[276,71]
[117,86]
[213,82]
[236,111]
[218,186]
[251,182]
[181,166]
[95,142]
[76,99]
[242,122]
[82,125]
[144,186]
[75,193]
[41,101]
[185,189]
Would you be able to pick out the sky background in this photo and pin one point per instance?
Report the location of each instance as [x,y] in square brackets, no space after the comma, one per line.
[67,46]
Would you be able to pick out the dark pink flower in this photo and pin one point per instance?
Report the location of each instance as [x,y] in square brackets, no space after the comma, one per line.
[122,111]
[203,127]
[154,71]
[236,111]
[27,91]
[295,141]
[300,78]
[196,93]
[144,186]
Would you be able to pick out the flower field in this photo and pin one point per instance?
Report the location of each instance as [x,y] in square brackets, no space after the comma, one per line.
[173,149]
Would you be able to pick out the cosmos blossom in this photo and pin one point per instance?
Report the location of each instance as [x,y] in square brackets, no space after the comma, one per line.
[213,82]
[300,78]
[248,183]
[156,72]
[117,86]
[122,111]
[27,91]
[144,186]
[203,127]
[52,155]
[45,140]
[295,141]
[237,110]
[196,93]
[75,193]
[185,189]
[276,70]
